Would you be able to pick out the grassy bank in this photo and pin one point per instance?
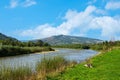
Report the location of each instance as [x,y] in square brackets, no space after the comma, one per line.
[15,50]
[51,67]
[106,66]
[46,68]
[38,49]
[21,73]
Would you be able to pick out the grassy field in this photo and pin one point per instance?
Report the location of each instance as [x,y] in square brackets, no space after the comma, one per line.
[106,66]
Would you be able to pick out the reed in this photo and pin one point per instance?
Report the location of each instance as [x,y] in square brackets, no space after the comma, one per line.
[21,73]
[38,49]
[45,68]
[16,50]
[51,66]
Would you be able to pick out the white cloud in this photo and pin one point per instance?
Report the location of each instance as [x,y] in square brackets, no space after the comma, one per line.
[78,23]
[101,12]
[74,20]
[28,3]
[113,5]
[13,4]
[41,31]
[91,2]
[25,3]
[108,25]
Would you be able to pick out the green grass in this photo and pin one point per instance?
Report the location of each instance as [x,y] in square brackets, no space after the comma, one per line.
[106,66]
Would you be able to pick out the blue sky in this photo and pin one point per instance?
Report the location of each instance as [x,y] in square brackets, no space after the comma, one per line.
[34,19]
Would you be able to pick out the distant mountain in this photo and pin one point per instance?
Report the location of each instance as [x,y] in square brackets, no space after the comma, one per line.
[65,39]
[4,37]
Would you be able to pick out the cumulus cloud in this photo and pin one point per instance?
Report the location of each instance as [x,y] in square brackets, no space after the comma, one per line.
[108,25]
[113,5]
[101,12]
[73,19]
[25,3]
[79,23]
[42,30]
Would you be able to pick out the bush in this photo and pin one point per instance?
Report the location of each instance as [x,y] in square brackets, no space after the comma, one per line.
[12,50]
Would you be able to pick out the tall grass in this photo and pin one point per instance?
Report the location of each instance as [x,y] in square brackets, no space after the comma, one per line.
[51,66]
[16,50]
[45,68]
[21,73]
[38,49]
[12,50]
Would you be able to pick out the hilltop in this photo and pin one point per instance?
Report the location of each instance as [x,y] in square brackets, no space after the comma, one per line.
[5,37]
[66,39]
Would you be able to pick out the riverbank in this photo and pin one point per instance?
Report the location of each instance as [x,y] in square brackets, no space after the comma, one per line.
[105,66]
[50,64]
[45,52]
[16,50]
[44,68]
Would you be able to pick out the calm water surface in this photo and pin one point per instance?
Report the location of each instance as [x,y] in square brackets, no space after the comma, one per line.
[32,59]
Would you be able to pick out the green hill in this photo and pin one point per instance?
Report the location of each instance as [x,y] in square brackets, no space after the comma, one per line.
[65,39]
[4,37]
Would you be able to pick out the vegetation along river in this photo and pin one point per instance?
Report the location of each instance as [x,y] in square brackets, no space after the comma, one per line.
[32,59]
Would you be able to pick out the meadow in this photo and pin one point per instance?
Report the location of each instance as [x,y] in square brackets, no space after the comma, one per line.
[105,66]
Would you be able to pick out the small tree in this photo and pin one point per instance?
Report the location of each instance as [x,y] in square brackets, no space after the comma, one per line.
[39,43]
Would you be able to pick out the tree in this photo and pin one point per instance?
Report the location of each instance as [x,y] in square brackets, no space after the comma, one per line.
[46,44]
[39,43]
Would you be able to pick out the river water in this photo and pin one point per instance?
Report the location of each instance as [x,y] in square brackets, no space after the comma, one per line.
[32,59]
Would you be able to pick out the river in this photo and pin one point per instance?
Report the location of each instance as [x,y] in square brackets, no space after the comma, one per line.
[32,59]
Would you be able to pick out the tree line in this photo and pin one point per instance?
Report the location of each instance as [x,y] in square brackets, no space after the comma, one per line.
[10,47]
[23,44]
[105,45]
